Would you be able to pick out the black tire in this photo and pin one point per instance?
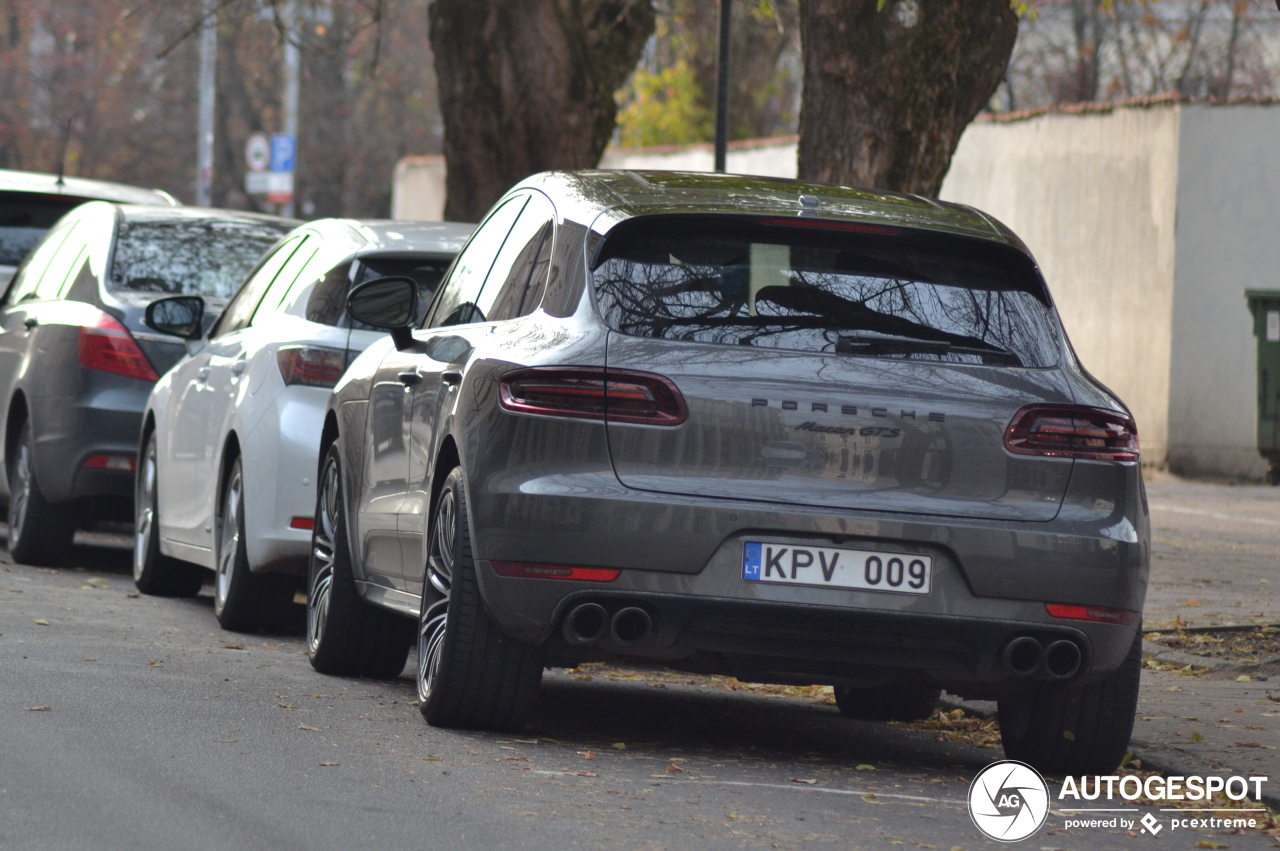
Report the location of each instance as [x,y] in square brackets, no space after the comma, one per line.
[887,703]
[244,601]
[1059,729]
[346,635]
[153,572]
[40,533]
[469,673]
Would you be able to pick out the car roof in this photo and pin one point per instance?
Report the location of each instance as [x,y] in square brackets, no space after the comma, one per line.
[602,199]
[85,188]
[155,214]
[392,236]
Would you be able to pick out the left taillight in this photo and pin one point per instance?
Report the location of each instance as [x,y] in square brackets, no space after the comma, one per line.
[1070,431]
[590,393]
[311,366]
[107,346]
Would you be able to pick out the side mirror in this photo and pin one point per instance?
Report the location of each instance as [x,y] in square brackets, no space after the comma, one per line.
[388,303]
[178,316]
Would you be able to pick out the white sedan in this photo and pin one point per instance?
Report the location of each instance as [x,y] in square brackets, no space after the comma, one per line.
[227,461]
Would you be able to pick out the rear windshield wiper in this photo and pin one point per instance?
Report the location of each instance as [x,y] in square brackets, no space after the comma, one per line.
[853,344]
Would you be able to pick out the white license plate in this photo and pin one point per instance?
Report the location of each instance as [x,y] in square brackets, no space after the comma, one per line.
[901,573]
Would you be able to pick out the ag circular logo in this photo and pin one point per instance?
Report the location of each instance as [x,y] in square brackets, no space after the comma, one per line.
[1008,800]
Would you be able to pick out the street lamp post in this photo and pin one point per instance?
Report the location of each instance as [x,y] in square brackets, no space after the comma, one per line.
[722,88]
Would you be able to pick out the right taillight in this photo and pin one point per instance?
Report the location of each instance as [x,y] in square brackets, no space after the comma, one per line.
[590,393]
[1069,431]
[312,366]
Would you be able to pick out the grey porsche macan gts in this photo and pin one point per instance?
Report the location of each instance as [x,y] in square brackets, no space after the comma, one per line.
[788,432]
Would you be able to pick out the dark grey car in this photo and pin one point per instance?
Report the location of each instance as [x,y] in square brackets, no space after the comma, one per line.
[789,432]
[76,362]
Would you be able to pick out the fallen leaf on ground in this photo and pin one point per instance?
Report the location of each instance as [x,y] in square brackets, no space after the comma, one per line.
[233,646]
[1196,737]
[1244,678]
[798,780]
[587,754]
[870,798]
[1204,843]
[42,622]
[673,769]
[328,764]
[312,729]
[620,746]
[865,767]
[39,708]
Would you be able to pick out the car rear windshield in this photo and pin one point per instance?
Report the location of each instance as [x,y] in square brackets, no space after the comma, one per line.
[195,257]
[24,218]
[819,286]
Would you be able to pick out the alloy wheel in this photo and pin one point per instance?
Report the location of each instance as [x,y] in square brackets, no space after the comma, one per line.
[436,589]
[228,541]
[20,498]
[145,500]
[322,554]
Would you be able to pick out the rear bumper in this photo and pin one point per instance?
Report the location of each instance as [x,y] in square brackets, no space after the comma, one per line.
[792,642]
[68,432]
[681,560]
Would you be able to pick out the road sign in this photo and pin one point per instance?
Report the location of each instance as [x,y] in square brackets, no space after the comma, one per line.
[257,152]
[272,183]
[282,150]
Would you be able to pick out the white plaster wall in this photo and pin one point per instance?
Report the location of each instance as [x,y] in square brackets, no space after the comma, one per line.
[417,191]
[1228,240]
[1093,196]
[764,160]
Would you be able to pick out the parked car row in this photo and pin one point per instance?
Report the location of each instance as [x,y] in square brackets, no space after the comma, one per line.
[782,431]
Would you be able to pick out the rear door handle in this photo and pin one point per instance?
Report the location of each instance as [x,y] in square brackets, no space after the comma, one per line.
[410,379]
[202,374]
[30,322]
[452,377]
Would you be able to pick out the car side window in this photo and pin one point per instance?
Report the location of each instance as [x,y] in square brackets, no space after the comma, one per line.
[456,304]
[70,256]
[31,273]
[510,279]
[242,305]
[290,276]
[321,298]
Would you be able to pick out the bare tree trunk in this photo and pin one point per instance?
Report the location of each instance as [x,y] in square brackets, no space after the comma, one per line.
[887,93]
[527,86]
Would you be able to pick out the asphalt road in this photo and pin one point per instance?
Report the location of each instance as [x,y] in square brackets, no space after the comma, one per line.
[134,722]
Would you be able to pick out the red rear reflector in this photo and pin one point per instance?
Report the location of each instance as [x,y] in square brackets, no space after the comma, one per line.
[521,570]
[590,393]
[107,346]
[1067,431]
[824,224]
[311,366]
[115,463]
[1091,613]
[307,523]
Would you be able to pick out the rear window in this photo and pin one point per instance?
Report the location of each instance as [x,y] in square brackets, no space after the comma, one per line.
[825,287]
[24,218]
[195,257]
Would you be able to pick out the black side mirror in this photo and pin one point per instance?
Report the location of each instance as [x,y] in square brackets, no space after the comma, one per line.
[178,316]
[388,303]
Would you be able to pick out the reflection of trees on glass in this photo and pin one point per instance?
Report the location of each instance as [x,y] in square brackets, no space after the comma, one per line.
[820,299]
[207,258]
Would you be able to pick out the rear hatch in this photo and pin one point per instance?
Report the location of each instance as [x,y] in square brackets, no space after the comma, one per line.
[833,365]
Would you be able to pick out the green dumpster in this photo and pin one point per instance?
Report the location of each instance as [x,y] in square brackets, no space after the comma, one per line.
[1265,306]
